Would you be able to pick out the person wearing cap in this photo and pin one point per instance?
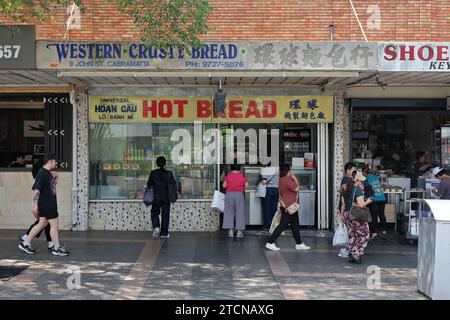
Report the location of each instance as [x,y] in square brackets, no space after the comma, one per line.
[358,232]
[443,192]
[45,207]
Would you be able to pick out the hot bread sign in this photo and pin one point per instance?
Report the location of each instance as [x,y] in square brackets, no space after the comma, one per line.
[414,56]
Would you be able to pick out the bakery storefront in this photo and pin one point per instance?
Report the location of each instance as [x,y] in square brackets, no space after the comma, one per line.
[135,103]
[128,133]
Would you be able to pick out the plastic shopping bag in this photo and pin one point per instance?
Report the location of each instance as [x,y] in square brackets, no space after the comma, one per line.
[341,235]
[275,221]
[218,201]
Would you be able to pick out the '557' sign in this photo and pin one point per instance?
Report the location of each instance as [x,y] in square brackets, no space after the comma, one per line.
[18,51]
[9,51]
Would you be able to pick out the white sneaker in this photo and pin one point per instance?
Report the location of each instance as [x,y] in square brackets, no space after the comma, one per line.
[272,246]
[230,234]
[343,253]
[302,247]
[156,233]
[239,234]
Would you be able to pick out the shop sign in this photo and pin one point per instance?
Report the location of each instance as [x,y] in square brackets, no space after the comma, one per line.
[76,55]
[18,50]
[239,109]
[414,56]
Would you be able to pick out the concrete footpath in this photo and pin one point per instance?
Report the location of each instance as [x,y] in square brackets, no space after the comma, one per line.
[131,265]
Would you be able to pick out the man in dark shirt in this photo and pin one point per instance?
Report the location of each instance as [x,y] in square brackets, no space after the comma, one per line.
[19,162]
[164,186]
[45,207]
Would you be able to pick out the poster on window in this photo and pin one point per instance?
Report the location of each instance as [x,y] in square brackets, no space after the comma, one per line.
[33,129]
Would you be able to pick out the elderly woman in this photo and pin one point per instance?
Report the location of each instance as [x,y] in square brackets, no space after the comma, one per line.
[358,231]
[234,213]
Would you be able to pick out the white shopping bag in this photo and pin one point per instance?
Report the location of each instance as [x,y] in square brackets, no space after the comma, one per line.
[341,235]
[218,201]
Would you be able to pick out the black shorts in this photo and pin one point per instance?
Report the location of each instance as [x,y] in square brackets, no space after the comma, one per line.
[49,214]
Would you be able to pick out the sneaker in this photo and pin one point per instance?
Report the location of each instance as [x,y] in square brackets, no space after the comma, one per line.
[302,247]
[230,234]
[272,246]
[343,253]
[26,248]
[156,232]
[165,236]
[50,249]
[239,234]
[61,251]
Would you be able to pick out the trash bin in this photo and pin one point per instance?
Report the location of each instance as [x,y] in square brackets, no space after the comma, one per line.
[433,276]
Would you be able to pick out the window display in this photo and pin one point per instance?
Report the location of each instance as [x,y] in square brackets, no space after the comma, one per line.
[122,156]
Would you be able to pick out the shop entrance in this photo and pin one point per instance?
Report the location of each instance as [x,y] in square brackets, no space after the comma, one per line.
[390,135]
[297,145]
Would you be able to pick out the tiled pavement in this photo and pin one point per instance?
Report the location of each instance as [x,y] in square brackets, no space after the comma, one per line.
[131,265]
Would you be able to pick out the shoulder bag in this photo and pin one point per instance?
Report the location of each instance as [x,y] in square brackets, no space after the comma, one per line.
[262,188]
[357,213]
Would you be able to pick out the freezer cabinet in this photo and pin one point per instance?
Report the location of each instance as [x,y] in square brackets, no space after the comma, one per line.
[307,210]
[253,209]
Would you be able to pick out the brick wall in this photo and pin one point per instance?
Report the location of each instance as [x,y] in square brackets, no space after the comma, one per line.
[401,20]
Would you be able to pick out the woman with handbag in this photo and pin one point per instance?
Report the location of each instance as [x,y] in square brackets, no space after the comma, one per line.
[356,217]
[289,188]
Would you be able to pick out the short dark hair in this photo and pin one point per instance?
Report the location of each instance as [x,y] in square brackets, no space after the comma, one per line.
[235,167]
[20,154]
[419,154]
[348,166]
[49,157]
[284,169]
[161,162]
[366,169]
[37,166]
[441,173]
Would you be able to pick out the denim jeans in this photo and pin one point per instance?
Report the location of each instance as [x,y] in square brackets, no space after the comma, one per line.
[270,205]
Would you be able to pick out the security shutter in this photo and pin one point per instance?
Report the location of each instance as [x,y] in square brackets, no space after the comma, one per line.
[58,111]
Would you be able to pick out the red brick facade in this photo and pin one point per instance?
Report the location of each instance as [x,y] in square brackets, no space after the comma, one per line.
[401,20]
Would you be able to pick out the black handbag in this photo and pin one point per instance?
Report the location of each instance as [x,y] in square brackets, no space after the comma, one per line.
[357,213]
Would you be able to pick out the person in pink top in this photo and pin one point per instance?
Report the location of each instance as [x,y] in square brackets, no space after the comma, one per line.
[289,188]
[234,213]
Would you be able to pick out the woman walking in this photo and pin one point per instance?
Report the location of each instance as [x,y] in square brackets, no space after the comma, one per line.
[234,184]
[289,188]
[378,229]
[358,231]
[162,181]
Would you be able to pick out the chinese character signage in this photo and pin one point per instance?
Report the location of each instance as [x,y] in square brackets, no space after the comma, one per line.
[414,56]
[212,56]
[239,109]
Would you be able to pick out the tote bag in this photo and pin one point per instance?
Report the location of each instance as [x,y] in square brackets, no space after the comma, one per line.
[149,196]
[262,188]
[218,201]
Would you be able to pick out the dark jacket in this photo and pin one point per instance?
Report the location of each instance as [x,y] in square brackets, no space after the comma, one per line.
[160,180]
